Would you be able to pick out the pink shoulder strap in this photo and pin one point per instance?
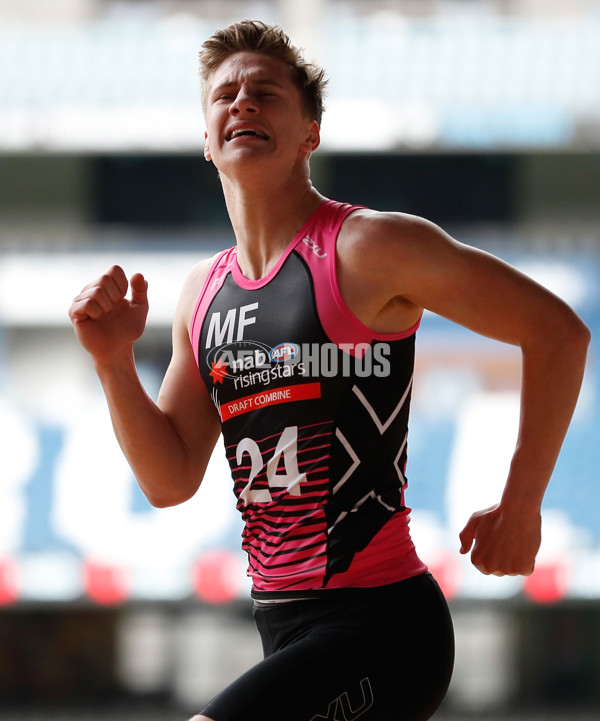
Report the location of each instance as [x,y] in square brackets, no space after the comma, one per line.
[214,280]
[318,248]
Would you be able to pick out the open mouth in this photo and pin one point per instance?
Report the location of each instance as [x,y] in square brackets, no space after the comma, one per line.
[249,132]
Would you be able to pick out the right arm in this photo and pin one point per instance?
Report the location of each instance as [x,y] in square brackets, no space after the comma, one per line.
[168,443]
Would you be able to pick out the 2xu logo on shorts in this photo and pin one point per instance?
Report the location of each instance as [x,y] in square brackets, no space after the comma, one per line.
[341,709]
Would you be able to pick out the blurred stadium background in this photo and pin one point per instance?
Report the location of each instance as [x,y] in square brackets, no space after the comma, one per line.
[482,115]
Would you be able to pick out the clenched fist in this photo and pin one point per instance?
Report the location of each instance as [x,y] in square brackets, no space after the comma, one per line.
[106,322]
[503,543]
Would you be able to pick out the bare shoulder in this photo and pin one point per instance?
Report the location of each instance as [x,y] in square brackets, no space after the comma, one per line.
[191,290]
[183,369]
[390,248]
[377,238]
[376,255]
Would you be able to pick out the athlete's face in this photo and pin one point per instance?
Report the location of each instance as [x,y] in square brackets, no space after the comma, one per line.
[253,111]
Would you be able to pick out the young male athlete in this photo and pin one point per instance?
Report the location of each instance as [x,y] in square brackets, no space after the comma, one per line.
[297,344]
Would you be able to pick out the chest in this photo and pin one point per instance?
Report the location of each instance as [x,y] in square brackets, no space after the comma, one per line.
[282,311]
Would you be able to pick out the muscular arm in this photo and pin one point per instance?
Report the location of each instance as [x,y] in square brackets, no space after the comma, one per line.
[167,444]
[425,268]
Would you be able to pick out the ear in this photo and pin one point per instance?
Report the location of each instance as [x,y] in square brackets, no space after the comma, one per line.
[313,137]
[207,155]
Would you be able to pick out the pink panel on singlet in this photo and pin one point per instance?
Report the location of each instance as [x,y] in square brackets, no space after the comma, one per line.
[214,280]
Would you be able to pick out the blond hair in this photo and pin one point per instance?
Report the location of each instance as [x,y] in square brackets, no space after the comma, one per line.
[271,40]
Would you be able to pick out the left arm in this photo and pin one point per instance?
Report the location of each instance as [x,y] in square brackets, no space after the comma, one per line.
[410,264]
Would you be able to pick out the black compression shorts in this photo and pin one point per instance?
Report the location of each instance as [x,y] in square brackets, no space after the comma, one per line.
[382,654]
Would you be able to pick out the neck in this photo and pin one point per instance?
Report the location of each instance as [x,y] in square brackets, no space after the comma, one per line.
[265,219]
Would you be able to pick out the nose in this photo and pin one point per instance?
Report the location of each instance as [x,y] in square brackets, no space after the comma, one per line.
[244,102]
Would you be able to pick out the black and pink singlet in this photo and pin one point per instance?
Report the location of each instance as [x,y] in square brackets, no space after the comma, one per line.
[314,409]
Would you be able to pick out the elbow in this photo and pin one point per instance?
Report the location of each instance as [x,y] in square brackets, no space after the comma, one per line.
[562,334]
[579,337]
[164,489]
[165,501]
[571,341]
[169,497]
[159,501]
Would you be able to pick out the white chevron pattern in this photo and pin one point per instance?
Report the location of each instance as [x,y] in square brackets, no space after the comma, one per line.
[382,427]
[355,460]
[396,466]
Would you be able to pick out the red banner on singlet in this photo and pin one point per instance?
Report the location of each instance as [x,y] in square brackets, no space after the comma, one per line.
[287,394]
